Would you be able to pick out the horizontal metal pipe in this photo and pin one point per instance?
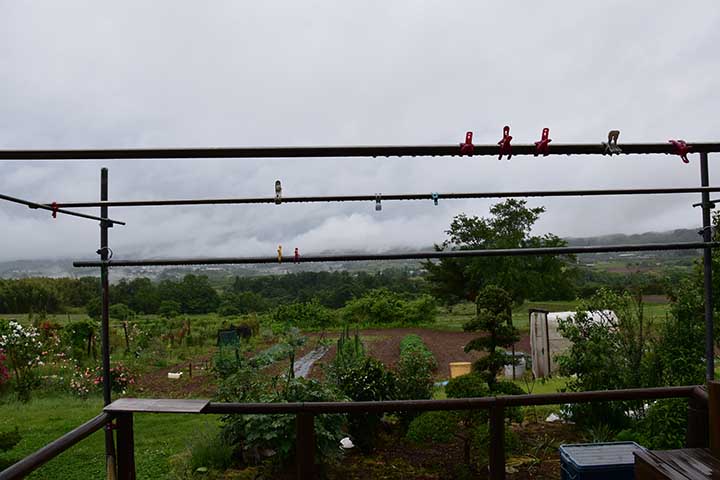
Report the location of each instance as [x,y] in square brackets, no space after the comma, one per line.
[451,404]
[338,151]
[406,196]
[495,252]
[40,206]
[54,448]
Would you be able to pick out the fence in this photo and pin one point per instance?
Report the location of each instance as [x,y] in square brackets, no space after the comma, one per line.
[701,431]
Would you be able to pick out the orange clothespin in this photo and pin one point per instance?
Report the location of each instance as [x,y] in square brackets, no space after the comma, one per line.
[279,250]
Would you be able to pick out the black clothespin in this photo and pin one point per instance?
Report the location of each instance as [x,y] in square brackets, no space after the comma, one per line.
[611,147]
[278,192]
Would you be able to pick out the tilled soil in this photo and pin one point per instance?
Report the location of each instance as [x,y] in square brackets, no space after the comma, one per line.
[447,347]
[157,384]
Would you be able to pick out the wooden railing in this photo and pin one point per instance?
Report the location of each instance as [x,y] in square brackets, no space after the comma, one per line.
[701,432]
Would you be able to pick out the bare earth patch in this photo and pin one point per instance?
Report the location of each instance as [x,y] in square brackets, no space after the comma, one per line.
[384,345]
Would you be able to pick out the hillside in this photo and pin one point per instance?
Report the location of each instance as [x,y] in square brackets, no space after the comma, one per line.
[63,267]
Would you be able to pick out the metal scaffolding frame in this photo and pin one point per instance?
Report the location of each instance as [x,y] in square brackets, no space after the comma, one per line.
[106,262]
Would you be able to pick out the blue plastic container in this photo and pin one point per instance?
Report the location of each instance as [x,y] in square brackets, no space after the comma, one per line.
[595,461]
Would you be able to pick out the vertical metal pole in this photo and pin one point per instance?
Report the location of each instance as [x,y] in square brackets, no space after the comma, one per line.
[707,271]
[105,328]
[305,446]
[497,442]
[510,323]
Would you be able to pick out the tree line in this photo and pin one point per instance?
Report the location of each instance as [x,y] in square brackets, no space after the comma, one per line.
[194,294]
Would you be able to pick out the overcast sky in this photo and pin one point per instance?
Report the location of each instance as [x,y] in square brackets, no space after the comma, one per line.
[193,74]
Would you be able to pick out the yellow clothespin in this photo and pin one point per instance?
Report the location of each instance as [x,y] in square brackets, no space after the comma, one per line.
[279,253]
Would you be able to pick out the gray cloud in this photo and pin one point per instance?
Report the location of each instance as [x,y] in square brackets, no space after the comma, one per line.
[154,74]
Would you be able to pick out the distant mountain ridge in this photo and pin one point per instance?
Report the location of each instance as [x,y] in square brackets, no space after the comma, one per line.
[63,267]
[678,235]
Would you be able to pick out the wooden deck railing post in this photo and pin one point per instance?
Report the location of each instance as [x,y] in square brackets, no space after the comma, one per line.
[697,423]
[497,442]
[714,417]
[305,446]
[125,447]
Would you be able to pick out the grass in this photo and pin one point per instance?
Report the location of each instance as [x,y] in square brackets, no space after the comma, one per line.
[157,437]
[459,314]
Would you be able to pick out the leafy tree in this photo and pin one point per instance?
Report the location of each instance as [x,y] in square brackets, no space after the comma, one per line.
[139,294]
[383,306]
[194,294]
[493,318]
[94,309]
[304,315]
[169,309]
[509,226]
[613,351]
[120,311]
[607,353]
[240,303]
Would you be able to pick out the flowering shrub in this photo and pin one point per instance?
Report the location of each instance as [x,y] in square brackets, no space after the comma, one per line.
[89,380]
[4,374]
[23,349]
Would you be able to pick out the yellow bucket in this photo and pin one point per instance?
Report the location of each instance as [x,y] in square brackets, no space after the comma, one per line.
[459,368]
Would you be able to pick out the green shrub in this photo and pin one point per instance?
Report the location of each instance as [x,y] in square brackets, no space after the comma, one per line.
[210,450]
[255,434]
[509,388]
[305,315]
[9,439]
[435,427]
[467,386]
[384,307]
[251,322]
[481,443]
[23,350]
[415,369]
[664,426]
[420,310]
[366,380]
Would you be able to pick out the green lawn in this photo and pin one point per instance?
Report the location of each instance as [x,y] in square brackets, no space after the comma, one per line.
[61,318]
[462,312]
[157,437]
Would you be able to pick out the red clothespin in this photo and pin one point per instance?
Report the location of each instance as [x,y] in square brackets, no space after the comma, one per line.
[543,146]
[467,148]
[297,255]
[682,149]
[505,148]
[54,207]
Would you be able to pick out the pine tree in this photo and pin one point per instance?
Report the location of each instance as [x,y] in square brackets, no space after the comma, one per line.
[494,310]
